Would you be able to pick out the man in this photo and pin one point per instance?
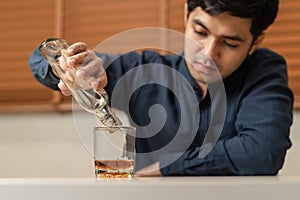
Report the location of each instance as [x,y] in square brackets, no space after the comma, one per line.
[222,41]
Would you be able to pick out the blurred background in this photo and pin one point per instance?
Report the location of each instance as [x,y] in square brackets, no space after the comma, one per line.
[37,133]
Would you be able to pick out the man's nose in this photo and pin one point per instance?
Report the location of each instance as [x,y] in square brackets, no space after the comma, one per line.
[210,49]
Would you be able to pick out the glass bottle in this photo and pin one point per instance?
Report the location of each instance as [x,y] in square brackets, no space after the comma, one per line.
[92,100]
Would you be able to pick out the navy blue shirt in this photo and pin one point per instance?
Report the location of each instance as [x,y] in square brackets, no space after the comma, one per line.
[241,126]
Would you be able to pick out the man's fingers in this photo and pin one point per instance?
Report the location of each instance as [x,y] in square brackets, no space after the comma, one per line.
[76,48]
[91,67]
[63,88]
[100,82]
[78,59]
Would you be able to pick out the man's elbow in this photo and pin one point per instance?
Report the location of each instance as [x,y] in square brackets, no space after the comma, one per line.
[263,163]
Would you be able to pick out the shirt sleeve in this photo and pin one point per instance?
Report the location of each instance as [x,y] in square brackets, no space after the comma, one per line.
[262,126]
[41,70]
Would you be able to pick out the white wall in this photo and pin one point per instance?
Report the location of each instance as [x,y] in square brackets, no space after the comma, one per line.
[42,145]
[48,145]
[292,163]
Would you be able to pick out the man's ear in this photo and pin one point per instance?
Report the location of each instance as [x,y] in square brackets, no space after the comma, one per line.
[185,14]
[257,42]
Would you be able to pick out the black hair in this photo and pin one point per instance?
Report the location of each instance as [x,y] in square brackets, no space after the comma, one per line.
[261,12]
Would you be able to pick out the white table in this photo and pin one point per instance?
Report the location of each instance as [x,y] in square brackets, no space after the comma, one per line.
[170,188]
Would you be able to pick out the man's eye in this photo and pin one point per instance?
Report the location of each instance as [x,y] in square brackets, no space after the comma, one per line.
[200,33]
[231,45]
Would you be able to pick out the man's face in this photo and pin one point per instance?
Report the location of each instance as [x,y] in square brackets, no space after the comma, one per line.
[215,45]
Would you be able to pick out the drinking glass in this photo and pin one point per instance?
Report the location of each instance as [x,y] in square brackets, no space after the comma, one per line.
[114,152]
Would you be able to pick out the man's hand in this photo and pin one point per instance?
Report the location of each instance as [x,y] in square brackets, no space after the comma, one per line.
[149,171]
[91,66]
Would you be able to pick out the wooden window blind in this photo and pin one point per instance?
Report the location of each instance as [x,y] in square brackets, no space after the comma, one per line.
[93,21]
[24,24]
[284,37]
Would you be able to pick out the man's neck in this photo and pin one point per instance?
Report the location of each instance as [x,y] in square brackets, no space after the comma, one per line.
[203,89]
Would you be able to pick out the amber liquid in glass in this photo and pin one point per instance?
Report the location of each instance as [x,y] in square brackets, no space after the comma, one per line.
[114,168]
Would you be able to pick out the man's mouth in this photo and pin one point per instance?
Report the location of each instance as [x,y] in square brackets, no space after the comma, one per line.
[205,69]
